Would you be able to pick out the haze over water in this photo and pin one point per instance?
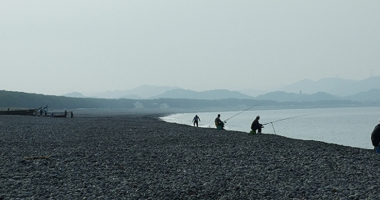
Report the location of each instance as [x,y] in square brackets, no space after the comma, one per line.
[344,126]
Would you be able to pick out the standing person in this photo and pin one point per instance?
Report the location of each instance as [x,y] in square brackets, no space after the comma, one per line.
[46,109]
[256,125]
[195,120]
[375,136]
[219,123]
[72,114]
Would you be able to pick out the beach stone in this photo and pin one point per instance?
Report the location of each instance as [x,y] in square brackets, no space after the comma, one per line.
[141,157]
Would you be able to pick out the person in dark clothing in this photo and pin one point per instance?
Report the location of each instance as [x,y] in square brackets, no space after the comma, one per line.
[256,125]
[375,136]
[195,120]
[219,123]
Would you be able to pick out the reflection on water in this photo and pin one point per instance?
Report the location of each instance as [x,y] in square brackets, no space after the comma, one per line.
[345,126]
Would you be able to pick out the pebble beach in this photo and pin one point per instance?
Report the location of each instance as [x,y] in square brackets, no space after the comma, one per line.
[141,157]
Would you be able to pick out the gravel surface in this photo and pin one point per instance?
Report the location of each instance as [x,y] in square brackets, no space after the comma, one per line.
[140,157]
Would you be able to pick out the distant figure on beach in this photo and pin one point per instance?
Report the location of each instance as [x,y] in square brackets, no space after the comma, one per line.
[375,136]
[256,125]
[219,123]
[195,120]
[46,110]
[72,114]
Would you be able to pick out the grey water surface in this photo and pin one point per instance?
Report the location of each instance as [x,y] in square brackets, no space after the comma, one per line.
[345,126]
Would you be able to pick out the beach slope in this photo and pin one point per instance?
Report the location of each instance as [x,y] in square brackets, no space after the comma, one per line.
[141,157]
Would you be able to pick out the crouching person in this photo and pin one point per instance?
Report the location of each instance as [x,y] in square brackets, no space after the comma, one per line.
[219,123]
[256,126]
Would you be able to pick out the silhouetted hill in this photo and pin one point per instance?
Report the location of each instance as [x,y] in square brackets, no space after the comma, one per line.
[281,96]
[131,96]
[141,92]
[368,96]
[10,99]
[210,94]
[74,94]
[334,86]
[252,92]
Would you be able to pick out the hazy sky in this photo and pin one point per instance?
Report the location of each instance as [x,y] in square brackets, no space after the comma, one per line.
[56,47]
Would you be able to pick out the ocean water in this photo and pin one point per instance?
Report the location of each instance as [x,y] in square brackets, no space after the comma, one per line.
[345,126]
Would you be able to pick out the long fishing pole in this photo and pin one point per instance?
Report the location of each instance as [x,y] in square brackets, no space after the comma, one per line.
[225,121]
[281,120]
[284,119]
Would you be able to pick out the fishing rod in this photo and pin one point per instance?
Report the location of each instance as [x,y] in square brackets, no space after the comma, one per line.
[225,121]
[281,120]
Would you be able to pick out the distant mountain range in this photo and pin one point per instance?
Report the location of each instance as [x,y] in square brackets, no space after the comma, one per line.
[327,89]
[335,86]
[156,92]
[209,95]
[279,96]
[371,96]
[142,92]
[74,95]
[289,97]
[368,96]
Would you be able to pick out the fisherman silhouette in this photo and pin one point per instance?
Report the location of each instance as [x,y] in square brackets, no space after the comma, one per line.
[219,123]
[256,125]
[195,120]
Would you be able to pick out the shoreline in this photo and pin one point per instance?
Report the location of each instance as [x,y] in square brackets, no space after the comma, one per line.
[335,130]
[140,157]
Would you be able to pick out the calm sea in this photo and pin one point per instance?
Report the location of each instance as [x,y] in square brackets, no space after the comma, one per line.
[345,126]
